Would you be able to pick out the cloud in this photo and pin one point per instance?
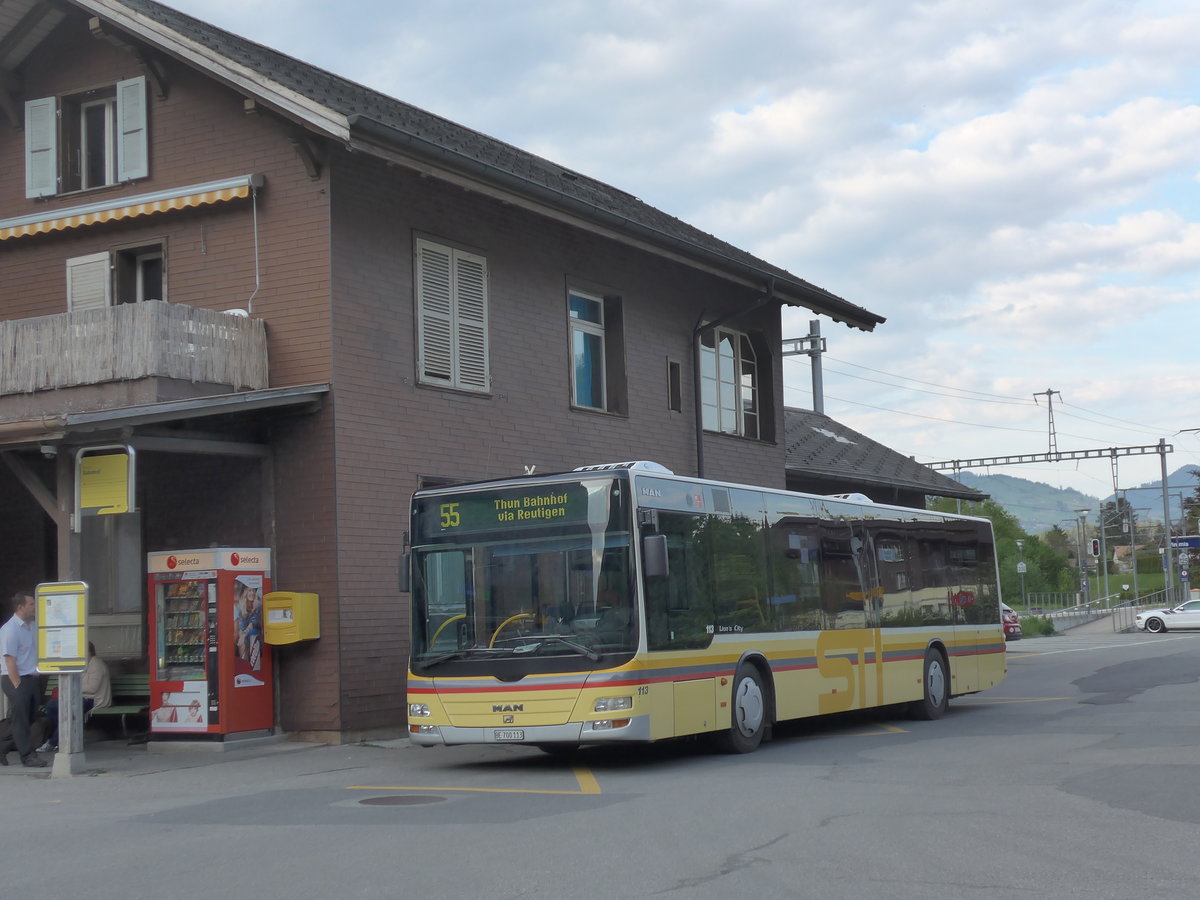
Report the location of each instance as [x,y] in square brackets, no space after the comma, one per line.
[1011,182]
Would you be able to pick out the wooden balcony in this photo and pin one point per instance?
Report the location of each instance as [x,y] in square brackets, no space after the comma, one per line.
[126,354]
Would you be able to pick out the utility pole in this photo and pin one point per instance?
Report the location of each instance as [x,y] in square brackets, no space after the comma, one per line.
[812,345]
[1169,586]
[1049,395]
[1083,574]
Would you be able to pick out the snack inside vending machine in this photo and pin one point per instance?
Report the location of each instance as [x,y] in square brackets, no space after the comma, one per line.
[210,671]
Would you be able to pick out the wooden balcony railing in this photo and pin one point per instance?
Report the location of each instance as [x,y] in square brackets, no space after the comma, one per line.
[154,339]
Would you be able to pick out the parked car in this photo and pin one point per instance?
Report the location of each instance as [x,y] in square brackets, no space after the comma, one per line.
[1012,622]
[1186,615]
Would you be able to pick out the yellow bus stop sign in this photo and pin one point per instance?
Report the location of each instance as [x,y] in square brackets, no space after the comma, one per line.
[104,484]
[61,626]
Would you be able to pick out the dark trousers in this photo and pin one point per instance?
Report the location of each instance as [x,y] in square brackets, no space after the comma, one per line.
[22,704]
[52,712]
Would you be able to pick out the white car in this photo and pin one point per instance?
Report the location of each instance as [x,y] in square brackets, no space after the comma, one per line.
[1186,615]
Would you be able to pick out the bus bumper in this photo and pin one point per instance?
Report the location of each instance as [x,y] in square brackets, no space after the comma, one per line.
[636,730]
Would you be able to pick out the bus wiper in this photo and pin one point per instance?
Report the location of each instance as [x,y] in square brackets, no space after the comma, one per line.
[536,641]
[456,654]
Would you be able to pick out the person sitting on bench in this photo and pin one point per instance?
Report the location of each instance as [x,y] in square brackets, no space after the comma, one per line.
[97,694]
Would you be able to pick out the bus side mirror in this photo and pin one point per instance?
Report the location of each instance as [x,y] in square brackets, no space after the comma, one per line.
[404,577]
[654,556]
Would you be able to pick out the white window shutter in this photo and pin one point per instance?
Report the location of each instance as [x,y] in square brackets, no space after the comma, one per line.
[88,282]
[435,355]
[41,147]
[472,320]
[133,158]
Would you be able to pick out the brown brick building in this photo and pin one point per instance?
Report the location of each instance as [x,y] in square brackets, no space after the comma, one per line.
[411,301]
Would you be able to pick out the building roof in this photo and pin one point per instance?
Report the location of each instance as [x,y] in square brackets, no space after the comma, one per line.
[817,446]
[365,120]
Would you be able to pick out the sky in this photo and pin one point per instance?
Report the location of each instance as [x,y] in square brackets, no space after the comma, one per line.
[1013,184]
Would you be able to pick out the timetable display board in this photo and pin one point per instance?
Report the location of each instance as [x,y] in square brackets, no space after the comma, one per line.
[62,626]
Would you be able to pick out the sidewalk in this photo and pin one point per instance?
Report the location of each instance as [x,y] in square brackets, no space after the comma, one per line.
[122,759]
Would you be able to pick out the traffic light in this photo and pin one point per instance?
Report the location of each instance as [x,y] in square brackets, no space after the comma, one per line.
[1096,547]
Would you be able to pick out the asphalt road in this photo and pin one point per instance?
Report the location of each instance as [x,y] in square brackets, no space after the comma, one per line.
[1078,777]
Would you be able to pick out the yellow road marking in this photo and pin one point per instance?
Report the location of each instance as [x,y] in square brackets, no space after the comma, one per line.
[586,780]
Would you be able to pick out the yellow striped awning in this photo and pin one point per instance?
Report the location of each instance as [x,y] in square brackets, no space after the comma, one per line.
[130,207]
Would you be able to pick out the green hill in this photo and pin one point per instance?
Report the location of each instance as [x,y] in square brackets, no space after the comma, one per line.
[1037,506]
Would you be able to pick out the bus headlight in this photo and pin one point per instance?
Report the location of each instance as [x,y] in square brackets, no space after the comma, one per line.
[612,704]
[418,711]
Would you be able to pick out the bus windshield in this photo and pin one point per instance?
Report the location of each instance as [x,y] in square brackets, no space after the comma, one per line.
[523,573]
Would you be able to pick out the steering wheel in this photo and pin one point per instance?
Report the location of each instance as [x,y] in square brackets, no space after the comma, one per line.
[509,621]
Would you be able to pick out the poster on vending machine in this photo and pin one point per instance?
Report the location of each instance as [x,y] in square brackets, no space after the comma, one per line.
[247,616]
[182,710]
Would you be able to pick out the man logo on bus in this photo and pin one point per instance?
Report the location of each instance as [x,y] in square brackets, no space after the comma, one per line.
[508,707]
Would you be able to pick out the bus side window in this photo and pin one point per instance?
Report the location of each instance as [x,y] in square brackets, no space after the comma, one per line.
[679,606]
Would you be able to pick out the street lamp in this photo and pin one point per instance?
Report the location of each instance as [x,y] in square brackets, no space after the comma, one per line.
[1021,572]
[1083,576]
[1133,549]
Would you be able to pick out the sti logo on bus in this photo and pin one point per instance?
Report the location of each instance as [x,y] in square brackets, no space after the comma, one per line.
[508,707]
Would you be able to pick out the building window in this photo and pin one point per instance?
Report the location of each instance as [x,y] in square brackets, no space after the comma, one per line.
[729,383]
[138,274]
[452,317]
[96,139]
[674,386]
[129,275]
[86,140]
[596,352]
[587,350]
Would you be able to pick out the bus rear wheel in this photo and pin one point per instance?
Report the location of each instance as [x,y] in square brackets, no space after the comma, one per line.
[749,713]
[936,679]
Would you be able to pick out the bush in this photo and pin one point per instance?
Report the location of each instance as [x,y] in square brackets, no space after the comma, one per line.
[1036,626]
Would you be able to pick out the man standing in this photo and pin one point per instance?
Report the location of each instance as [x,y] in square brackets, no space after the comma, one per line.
[18,648]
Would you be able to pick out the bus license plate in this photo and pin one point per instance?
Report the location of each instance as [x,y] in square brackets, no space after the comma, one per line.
[510,734]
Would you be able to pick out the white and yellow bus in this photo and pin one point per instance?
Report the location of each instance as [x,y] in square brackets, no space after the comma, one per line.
[624,603]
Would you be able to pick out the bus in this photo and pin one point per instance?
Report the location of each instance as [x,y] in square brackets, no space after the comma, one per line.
[623,603]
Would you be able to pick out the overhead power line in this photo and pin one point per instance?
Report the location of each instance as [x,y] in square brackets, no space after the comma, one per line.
[986,397]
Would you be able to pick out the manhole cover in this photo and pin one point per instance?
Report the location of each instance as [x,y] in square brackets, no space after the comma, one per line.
[401,800]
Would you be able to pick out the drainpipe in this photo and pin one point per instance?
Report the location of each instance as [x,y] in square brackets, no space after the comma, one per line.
[697,387]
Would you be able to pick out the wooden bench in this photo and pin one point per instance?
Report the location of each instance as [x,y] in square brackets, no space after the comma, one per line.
[130,697]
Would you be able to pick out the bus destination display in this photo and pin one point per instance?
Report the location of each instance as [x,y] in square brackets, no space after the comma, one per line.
[471,512]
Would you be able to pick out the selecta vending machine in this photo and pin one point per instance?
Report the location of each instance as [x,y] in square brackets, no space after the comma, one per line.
[210,672]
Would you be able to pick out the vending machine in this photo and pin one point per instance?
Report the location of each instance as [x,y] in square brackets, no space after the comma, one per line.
[210,671]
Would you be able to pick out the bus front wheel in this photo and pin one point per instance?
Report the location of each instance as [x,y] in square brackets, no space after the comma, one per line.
[748,711]
[937,688]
